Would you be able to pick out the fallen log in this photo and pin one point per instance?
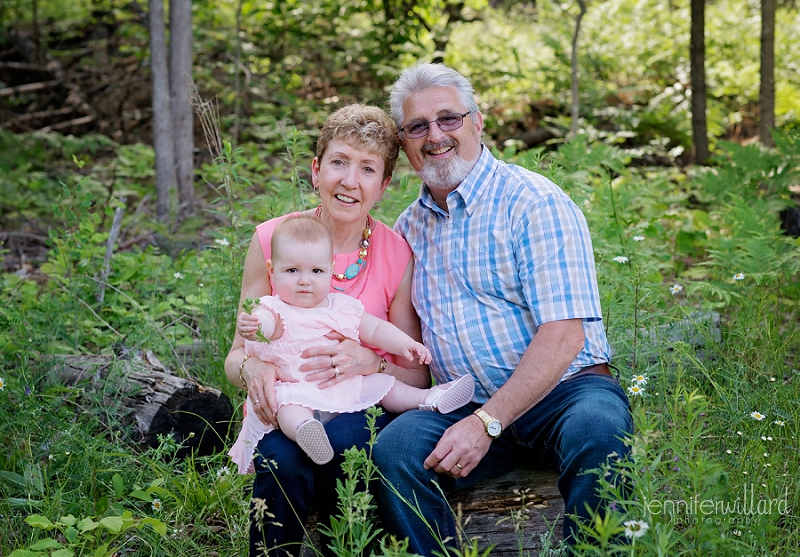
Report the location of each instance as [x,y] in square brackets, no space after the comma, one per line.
[152,400]
[510,513]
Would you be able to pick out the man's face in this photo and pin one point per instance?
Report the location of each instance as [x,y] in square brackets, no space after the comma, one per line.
[442,158]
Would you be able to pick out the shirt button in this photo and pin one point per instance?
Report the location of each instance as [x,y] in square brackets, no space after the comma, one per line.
[449,225]
[460,305]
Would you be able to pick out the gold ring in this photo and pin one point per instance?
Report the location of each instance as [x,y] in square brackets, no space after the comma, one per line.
[256,401]
[458,466]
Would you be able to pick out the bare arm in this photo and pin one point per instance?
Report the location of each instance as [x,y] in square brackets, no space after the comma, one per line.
[260,376]
[386,336]
[552,350]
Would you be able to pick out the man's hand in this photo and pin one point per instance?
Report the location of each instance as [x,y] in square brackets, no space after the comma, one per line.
[461,448]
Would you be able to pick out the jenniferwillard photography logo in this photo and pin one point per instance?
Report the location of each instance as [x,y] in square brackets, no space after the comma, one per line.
[747,508]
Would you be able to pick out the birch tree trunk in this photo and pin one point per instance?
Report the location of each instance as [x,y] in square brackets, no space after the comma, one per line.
[574,63]
[180,74]
[697,61]
[766,96]
[166,177]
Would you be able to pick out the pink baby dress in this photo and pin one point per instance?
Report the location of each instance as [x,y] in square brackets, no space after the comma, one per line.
[302,329]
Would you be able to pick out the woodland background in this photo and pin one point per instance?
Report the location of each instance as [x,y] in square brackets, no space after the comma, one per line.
[126,208]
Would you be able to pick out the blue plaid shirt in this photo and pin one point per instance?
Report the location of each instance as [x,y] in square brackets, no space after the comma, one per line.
[514,252]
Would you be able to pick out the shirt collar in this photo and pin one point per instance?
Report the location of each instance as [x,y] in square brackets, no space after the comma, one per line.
[470,189]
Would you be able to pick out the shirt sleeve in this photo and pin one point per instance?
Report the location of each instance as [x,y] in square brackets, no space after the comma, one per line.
[556,261]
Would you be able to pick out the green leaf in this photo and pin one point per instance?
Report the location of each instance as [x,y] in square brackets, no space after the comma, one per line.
[119,485]
[71,534]
[66,552]
[142,495]
[39,521]
[157,525]
[68,520]
[103,551]
[113,524]
[13,477]
[47,543]
[87,524]
[24,553]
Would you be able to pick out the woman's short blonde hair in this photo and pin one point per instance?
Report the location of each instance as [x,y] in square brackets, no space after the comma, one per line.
[301,228]
[366,128]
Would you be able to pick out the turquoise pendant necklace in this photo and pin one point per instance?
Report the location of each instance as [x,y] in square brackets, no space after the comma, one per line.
[352,271]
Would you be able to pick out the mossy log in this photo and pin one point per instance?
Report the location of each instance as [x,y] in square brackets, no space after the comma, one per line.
[145,396]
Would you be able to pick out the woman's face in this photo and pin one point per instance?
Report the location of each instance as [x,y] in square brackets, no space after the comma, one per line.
[350,181]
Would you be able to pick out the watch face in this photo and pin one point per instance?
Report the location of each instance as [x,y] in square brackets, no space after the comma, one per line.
[494,428]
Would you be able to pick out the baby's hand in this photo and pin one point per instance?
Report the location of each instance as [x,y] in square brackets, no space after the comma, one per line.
[247,326]
[417,349]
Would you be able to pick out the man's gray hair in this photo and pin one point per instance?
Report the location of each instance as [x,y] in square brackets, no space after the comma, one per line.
[425,76]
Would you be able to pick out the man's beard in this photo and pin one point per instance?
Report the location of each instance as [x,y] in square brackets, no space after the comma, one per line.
[446,174]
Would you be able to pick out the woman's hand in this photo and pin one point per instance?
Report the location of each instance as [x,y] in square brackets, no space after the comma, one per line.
[260,377]
[331,364]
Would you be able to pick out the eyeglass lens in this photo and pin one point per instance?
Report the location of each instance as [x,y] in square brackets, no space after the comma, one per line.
[446,123]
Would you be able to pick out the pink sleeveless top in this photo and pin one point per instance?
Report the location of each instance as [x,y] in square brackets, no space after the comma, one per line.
[389,256]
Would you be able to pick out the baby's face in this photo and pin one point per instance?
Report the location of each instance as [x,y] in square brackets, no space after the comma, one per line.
[301,273]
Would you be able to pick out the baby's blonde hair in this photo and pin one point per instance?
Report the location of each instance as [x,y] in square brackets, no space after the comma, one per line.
[301,228]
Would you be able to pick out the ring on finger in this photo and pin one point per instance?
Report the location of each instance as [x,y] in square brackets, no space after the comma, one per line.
[333,363]
[335,372]
[459,466]
[257,401]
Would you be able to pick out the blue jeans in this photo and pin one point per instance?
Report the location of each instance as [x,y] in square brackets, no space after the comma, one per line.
[574,428]
[290,486]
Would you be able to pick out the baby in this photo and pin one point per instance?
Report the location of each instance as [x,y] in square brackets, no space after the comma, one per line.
[299,315]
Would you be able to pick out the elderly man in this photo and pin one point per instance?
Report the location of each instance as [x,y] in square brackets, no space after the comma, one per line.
[505,286]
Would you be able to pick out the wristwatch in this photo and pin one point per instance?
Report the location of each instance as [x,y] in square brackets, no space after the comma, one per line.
[493,427]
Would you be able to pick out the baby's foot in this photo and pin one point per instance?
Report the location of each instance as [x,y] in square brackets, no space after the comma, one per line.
[450,396]
[311,437]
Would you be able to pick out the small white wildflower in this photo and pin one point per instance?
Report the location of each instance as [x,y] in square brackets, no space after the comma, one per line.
[2,383]
[222,241]
[763,437]
[757,416]
[635,528]
[178,275]
[737,533]
[224,471]
[639,379]
[675,288]
[635,390]
[729,451]
[620,259]
[766,454]
[772,379]
[738,276]
[638,238]
[780,423]
[738,433]
[157,504]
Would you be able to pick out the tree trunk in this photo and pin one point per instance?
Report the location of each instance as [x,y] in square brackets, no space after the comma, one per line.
[137,389]
[166,177]
[180,74]
[767,89]
[574,63]
[697,60]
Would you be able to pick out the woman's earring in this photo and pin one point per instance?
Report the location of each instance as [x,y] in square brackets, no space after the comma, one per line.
[316,190]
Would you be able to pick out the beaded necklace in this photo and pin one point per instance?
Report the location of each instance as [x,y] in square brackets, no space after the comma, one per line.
[354,271]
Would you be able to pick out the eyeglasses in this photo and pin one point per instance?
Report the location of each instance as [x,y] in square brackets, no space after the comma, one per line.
[446,123]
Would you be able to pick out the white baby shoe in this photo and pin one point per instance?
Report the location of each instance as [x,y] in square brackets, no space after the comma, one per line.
[450,396]
[311,437]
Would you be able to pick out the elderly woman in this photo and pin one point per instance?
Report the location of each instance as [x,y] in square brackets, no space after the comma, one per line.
[356,154]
